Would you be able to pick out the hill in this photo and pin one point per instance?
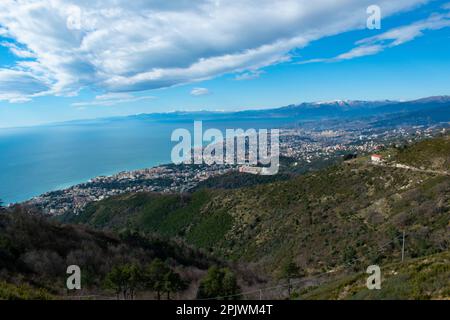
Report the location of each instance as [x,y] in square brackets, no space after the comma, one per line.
[323,220]
[35,252]
[430,154]
[420,278]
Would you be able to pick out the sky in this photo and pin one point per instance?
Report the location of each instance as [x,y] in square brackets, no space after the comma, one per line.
[62,60]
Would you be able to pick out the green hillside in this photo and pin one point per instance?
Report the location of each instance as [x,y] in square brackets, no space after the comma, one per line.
[420,278]
[431,154]
[168,215]
[325,220]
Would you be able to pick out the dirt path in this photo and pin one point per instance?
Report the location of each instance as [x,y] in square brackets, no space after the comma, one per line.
[406,167]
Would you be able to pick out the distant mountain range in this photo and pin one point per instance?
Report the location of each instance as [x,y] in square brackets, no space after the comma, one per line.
[420,111]
[317,110]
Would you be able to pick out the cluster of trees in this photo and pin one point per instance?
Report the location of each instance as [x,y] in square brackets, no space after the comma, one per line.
[158,277]
[219,283]
[350,156]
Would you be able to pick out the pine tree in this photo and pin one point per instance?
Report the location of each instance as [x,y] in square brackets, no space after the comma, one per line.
[289,271]
[154,276]
[125,280]
[173,283]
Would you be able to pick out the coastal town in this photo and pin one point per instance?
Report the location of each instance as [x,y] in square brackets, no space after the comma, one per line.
[166,179]
[303,147]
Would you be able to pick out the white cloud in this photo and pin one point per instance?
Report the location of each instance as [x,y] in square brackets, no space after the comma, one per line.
[392,38]
[254,74]
[199,92]
[17,51]
[111,99]
[20,86]
[127,46]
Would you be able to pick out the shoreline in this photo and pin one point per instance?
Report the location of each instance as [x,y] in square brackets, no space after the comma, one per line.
[162,178]
[82,181]
[168,177]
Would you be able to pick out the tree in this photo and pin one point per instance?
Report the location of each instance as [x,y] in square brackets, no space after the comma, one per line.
[220,283]
[159,277]
[173,283]
[289,271]
[134,279]
[154,276]
[116,279]
[230,285]
[124,280]
[350,156]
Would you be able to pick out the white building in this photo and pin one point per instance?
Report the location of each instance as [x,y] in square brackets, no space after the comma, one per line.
[252,170]
[376,158]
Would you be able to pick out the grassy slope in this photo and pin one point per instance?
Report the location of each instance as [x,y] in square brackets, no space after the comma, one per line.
[419,278]
[431,154]
[323,220]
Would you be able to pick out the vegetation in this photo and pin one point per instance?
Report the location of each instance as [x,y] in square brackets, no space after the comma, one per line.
[234,180]
[168,215]
[332,218]
[10,291]
[289,271]
[35,252]
[219,283]
[421,278]
[160,278]
[125,280]
[431,154]
[335,221]
[157,277]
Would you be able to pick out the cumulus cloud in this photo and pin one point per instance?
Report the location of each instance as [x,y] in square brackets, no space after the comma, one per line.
[199,91]
[391,38]
[129,46]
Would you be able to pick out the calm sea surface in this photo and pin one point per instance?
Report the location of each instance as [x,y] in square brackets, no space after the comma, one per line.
[40,159]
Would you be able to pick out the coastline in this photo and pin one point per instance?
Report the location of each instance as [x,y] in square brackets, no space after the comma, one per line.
[162,178]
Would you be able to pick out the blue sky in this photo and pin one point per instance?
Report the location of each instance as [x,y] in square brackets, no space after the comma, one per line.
[79,60]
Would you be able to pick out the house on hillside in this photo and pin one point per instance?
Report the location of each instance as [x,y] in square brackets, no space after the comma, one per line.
[251,170]
[376,158]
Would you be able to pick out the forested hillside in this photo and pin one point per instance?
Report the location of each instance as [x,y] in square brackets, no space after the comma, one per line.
[35,253]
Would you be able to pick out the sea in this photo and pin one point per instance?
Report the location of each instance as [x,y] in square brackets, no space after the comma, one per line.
[35,160]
